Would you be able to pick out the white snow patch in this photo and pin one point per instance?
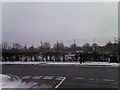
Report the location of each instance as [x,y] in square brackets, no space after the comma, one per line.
[16,82]
[101,63]
[66,63]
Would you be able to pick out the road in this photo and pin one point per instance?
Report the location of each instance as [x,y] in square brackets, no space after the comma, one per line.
[67,76]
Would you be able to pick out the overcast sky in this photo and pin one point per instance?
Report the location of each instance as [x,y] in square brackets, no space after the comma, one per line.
[32,22]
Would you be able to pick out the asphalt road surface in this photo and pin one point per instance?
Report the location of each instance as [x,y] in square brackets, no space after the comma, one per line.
[70,76]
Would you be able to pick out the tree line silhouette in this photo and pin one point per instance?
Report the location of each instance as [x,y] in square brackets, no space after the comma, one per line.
[110,52]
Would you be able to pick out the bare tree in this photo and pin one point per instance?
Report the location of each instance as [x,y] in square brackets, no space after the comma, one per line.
[5,45]
[73,47]
[58,46]
[17,46]
[86,47]
[31,47]
[46,46]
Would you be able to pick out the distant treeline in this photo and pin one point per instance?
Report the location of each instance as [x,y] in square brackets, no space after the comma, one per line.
[59,52]
[46,47]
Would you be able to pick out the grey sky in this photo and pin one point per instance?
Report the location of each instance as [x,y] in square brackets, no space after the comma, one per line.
[33,22]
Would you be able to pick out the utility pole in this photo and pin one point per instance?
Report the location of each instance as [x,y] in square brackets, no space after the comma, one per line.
[57,45]
[94,40]
[74,46]
[41,49]
[57,49]
[25,52]
[41,46]
[25,47]
[13,45]
[94,44]
[116,49]
[115,40]
[74,49]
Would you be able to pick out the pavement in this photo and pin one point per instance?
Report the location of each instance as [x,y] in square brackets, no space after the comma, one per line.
[68,75]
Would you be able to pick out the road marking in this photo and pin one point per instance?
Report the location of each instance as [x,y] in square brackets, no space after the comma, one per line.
[80,78]
[108,80]
[48,77]
[26,77]
[36,77]
[92,79]
[61,81]
[59,78]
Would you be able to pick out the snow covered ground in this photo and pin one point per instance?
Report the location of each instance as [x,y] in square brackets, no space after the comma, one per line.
[66,63]
[16,82]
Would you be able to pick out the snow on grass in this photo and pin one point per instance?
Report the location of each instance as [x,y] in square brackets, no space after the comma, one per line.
[101,63]
[66,63]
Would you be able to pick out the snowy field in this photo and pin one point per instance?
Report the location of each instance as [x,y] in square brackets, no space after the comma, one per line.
[66,63]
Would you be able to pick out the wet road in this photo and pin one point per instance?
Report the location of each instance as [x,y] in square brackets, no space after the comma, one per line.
[67,76]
